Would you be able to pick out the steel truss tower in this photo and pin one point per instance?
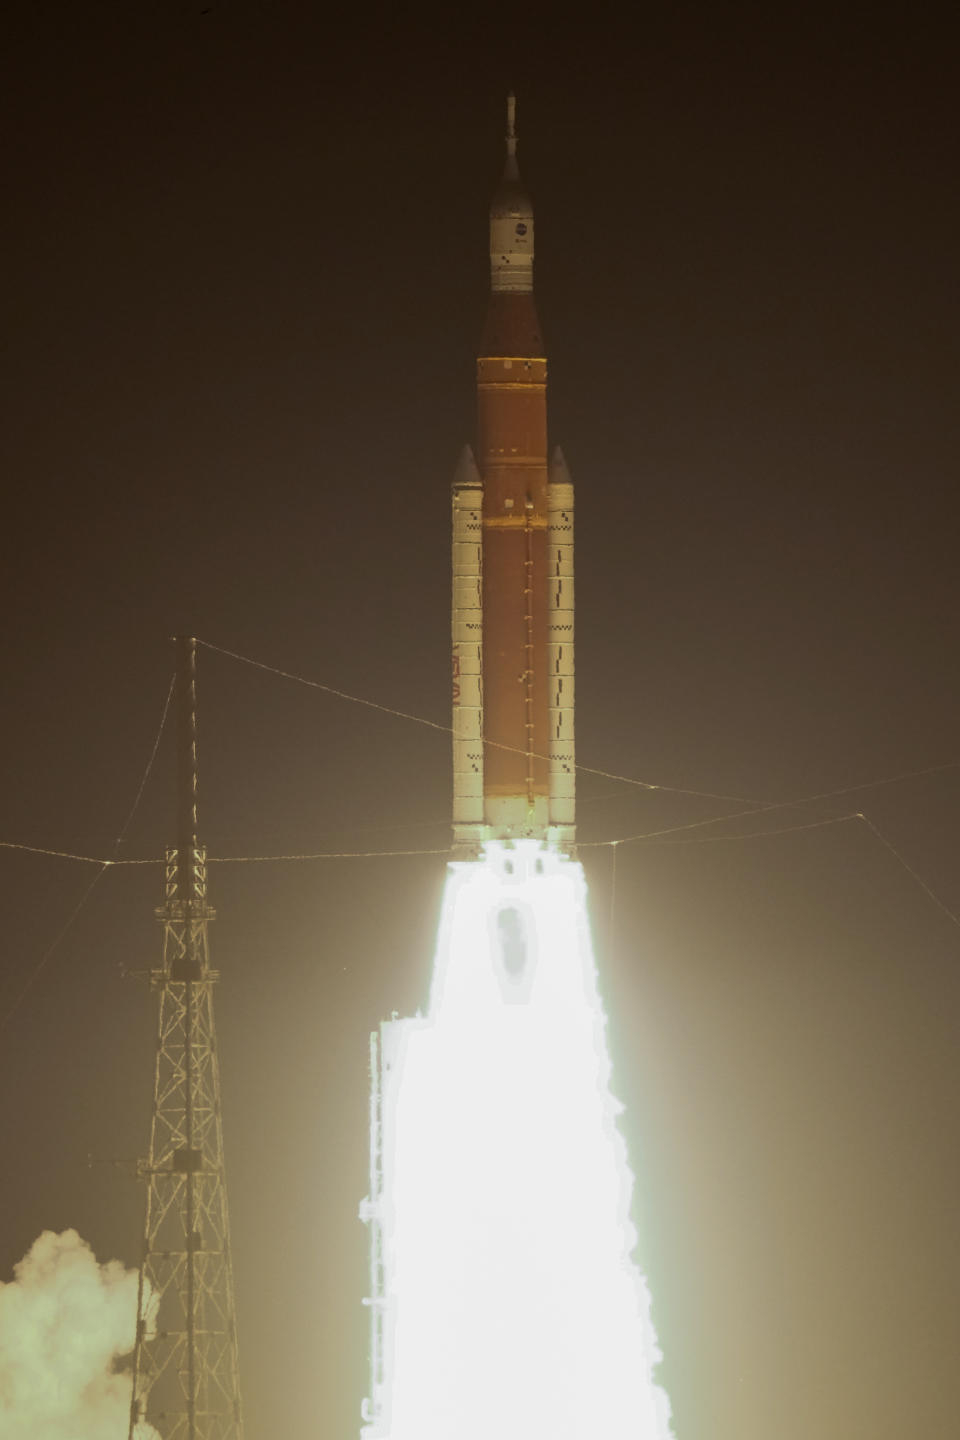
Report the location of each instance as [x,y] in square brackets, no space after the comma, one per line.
[185,1372]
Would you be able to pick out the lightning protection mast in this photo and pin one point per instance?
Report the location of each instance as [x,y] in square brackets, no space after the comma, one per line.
[185,1372]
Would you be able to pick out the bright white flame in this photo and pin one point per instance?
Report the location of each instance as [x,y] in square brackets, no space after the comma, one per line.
[64,1322]
[512,1305]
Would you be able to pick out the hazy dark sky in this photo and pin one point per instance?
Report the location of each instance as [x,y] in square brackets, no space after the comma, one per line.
[245,274]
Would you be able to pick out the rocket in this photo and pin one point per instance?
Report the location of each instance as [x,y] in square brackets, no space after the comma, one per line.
[496,1162]
[512,621]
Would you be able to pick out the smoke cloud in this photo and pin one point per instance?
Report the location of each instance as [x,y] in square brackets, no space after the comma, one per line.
[64,1323]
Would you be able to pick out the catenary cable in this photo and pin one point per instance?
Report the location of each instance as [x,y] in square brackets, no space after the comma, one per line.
[448,729]
[657,836]
[646,835]
[105,865]
[911,871]
[586,769]
[756,807]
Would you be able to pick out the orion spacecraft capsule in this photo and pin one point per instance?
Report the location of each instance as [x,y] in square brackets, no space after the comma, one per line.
[513,675]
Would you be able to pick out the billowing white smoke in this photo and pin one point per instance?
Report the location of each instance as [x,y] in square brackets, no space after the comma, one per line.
[64,1321]
[512,1303]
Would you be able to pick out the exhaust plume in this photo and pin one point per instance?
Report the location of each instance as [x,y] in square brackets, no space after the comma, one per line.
[506,1299]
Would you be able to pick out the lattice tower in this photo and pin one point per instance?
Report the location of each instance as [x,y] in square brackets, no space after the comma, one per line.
[185,1372]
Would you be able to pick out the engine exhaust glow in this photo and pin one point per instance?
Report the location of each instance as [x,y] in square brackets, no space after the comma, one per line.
[505,1298]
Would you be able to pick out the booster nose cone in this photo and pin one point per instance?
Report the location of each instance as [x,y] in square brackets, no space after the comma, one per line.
[511,223]
[558,474]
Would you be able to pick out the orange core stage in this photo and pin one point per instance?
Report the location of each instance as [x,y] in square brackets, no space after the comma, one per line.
[513,569]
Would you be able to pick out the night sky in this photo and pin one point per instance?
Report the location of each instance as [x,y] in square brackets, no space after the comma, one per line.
[245,278]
